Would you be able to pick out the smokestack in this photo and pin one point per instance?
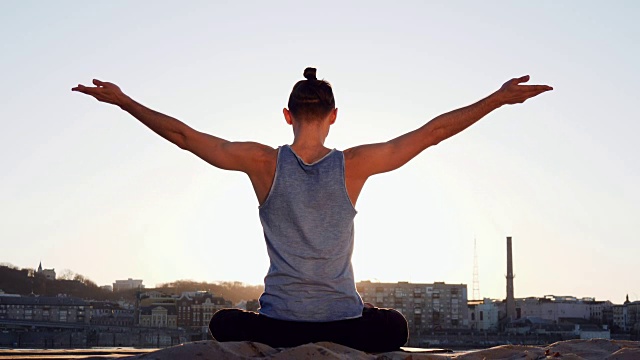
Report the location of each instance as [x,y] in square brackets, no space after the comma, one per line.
[511,302]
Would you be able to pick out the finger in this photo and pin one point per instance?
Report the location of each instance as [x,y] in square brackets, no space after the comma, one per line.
[97,82]
[93,91]
[538,87]
[80,88]
[534,93]
[522,79]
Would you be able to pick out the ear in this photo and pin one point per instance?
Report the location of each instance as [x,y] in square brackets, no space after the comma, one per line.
[333,116]
[287,116]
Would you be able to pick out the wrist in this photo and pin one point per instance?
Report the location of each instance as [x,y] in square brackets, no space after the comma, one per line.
[494,100]
[125,102]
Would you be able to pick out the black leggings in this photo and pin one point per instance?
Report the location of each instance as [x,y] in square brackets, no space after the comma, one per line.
[378,330]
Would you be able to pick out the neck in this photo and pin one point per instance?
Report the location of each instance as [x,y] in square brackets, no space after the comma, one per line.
[310,136]
[308,141]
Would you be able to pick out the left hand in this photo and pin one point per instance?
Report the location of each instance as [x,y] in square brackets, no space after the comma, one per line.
[104,92]
[512,92]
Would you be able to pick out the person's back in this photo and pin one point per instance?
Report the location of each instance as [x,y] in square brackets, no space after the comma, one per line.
[308,227]
[307,195]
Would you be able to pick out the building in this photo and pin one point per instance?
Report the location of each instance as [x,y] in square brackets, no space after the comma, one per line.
[45,309]
[592,332]
[484,314]
[567,328]
[551,308]
[108,288]
[555,308]
[621,318]
[196,308]
[159,316]
[128,284]
[253,305]
[49,274]
[2,293]
[426,307]
[106,313]
[601,312]
[633,311]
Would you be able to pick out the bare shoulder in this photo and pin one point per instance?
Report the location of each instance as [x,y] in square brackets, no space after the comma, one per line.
[366,151]
[363,154]
[243,156]
[355,164]
[355,153]
[262,152]
[365,160]
[261,168]
[255,153]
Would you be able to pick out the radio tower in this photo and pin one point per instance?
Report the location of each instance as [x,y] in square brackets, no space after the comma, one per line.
[476,281]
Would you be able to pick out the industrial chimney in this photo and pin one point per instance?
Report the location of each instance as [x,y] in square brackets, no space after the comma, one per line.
[511,302]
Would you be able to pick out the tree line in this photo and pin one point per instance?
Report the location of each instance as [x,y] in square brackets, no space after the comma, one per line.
[26,281]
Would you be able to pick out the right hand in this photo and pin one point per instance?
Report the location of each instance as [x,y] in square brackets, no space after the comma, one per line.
[103,92]
[514,92]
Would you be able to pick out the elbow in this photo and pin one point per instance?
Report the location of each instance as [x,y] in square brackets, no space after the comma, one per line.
[184,139]
[180,140]
[435,141]
[182,146]
[433,134]
[434,138]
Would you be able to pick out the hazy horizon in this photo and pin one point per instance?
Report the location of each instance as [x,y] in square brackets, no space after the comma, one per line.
[210,281]
[86,187]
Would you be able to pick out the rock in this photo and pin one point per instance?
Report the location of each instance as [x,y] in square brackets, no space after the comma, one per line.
[208,350]
[566,350]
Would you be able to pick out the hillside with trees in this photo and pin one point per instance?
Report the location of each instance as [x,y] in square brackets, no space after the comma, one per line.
[233,290]
[26,281]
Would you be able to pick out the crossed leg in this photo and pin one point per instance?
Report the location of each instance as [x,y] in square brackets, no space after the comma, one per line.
[378,330]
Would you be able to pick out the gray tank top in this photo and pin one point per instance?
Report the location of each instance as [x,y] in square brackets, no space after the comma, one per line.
[308,226]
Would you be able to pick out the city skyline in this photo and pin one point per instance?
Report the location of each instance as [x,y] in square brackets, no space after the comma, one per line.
[86,187]
[469,292]
[432,311]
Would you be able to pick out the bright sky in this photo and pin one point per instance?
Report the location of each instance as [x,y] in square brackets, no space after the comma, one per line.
[86,187]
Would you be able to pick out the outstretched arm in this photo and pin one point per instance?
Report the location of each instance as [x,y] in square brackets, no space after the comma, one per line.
[366,160]
[241,156]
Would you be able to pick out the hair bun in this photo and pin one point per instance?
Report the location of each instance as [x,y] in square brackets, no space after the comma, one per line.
[310,73]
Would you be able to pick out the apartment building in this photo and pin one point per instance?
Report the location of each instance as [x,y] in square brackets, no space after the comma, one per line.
[107,313]
[45,309]
[426,307]
[633,311]
[196,308]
